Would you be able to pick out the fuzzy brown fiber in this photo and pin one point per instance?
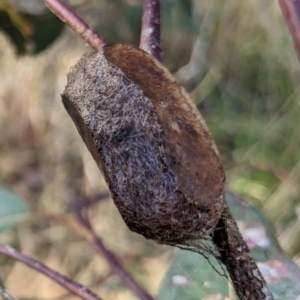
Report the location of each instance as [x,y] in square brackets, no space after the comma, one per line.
[158,158]
[150,142]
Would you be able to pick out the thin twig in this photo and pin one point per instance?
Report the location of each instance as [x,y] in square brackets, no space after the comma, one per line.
[76,23]
[150,34]
[112,260]
[291,11]
[83,226]
[62,280]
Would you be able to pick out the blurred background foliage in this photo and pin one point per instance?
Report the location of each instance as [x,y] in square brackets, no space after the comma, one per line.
[238,61]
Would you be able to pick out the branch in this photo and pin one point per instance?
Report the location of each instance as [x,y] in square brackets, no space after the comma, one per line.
[62,280]
[82,226]
[245,275]
[150,34]
[291,12]
[76,23]
[112,260]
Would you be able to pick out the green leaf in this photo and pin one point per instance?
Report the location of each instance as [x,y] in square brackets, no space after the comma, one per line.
[12,32]
[30,34]
[192,277]
[47,28]
[12,209]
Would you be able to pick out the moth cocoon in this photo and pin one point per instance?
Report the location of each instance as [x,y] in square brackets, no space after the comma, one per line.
[150,142]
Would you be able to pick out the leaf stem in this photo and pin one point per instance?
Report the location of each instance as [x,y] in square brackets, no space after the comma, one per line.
[67,283]
[76,23]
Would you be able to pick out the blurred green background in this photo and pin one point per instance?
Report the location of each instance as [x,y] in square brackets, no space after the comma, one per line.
[238,61]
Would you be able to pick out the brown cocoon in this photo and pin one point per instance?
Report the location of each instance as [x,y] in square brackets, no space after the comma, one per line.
[150,142]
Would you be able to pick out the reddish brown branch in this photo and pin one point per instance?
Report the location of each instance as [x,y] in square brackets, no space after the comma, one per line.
[76,23]
[291,12]
[112,260]
[150,34]
[62,280]
[83,227]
